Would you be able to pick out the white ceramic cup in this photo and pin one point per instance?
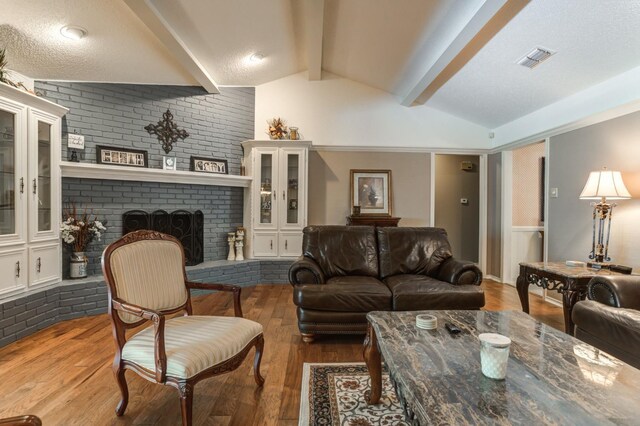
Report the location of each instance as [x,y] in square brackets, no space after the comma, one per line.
[494,355]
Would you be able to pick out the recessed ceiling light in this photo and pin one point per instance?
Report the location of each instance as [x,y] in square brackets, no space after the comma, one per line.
[73,32]
[256,57]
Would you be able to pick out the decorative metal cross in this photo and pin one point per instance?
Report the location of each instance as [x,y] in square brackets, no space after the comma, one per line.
[167,131]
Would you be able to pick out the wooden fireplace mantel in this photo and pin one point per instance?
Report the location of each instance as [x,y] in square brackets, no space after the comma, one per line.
[373,220]
[102,171]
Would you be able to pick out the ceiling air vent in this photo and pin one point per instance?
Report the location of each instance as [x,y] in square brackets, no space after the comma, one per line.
[535,57]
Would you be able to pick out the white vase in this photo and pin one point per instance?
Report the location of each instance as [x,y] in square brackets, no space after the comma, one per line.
[239,250]
[232,252]
[78,265]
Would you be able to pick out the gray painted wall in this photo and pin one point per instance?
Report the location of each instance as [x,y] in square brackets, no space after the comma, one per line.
[329,184]
[616,145]
[115,115]
[460,220]
[494,215]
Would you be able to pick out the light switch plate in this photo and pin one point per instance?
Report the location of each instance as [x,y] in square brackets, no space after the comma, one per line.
[554,192]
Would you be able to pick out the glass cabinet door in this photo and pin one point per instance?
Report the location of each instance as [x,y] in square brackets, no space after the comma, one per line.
[42,182]
[267,166]
[292,192]
[293,178]
[7,173]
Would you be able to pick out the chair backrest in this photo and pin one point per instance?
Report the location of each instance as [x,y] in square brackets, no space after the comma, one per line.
[146,268]
[418,251]
[342,250]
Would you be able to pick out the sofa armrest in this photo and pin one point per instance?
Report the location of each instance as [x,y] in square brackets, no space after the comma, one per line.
[459,272]
[619,291]
[305,271]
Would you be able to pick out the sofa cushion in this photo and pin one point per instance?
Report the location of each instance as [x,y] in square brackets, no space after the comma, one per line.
[342,250]
[412,250]
[344,294]
[418,292]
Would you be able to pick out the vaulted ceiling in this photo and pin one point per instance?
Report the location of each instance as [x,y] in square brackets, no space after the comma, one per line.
[455,55]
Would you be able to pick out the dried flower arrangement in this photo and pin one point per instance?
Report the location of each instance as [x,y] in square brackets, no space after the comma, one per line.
[79,229]
[277,128]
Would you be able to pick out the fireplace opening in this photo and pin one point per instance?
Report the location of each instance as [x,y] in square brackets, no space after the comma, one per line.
[186,226]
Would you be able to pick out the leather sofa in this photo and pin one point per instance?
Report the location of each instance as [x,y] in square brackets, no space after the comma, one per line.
[347,271]
[610,317]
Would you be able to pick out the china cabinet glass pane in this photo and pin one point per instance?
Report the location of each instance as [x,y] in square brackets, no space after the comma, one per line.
[7,173]
[292,188]
[266,191]
[44,176]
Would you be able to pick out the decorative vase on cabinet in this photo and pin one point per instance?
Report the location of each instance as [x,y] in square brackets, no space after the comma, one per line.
[276,202]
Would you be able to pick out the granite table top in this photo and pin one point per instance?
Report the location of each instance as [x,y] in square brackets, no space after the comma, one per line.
[560,268]
[552,378]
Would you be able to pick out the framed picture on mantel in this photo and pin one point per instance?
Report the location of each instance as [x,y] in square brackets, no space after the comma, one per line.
[121,156]
[371,190]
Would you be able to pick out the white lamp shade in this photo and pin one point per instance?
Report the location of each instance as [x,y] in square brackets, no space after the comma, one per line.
[605,183]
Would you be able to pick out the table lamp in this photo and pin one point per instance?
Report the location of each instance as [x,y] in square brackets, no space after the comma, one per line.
[602,185]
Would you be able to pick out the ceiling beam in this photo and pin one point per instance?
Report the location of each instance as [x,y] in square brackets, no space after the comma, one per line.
[490,18]
[146,11]
[315,29]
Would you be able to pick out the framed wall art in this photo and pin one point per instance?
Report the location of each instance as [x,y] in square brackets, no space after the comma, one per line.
[209,165]
[121,156]
[371,191]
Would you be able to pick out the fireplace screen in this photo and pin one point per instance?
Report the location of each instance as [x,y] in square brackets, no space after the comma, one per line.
[186,226]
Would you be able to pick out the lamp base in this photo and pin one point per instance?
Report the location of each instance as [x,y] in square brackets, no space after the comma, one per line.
[598,265]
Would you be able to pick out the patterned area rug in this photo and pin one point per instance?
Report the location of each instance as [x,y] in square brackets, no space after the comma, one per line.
[333,394]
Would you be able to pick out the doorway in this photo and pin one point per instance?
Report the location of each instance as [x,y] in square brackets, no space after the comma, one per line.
[457,202]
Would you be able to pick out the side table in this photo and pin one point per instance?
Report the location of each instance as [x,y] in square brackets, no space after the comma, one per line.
[570,281]
[372,220]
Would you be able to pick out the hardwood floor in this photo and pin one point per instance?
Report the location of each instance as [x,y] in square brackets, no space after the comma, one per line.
[63,373]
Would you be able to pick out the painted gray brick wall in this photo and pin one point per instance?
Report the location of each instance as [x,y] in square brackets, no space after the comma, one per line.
[116,114]
[108,199]
[23,317]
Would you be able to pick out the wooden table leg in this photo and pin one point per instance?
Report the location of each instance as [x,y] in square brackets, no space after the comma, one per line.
[523,292]
[569,299]
[373,360]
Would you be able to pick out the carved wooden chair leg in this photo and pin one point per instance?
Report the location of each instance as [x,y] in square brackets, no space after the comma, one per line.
[308,337]
[256,363]
[124,390]
[186,403]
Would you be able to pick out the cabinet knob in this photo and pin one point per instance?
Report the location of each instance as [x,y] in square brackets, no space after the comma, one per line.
[35,186]
[271,244]
[283,195]
[18,269]
[286,242]
[38,265]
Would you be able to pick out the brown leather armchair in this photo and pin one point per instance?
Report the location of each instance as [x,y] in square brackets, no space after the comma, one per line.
[347,271]
[610,317]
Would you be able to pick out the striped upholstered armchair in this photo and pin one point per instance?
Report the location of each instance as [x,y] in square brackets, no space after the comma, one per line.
[147,282]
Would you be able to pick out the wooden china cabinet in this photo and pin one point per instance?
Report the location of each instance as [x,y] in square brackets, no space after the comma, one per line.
[276,202]
[30,211]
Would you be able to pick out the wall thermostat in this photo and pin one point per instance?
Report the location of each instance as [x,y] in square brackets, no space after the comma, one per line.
[466,165]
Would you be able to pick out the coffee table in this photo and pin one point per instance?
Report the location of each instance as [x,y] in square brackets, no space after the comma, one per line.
[552,378]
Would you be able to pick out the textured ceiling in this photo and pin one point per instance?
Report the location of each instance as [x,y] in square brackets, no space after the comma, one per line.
[119,48]
[595,40]
[222,34]
[372,41]
[382,43]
